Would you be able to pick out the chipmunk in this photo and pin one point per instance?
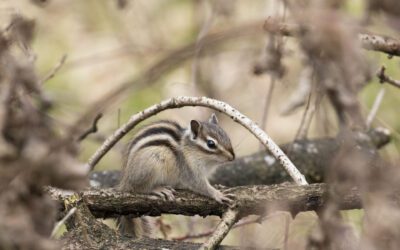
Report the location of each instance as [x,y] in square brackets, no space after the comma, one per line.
[163,156]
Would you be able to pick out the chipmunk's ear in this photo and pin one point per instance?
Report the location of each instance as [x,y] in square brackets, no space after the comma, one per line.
[213,119]
[195,128]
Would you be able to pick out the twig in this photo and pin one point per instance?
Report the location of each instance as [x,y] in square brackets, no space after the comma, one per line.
[56,68]
[375,107]
[209,232]
[286,236]
[300,94]
[225,108]
[302,122]
[268,100]
[385,78]
[229,218]
[164,228]
[199,45]
[258,220]
[302,130]
[368,41]
[92,129]
[62,221]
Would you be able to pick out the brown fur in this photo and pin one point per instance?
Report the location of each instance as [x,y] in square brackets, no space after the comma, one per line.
[163,154]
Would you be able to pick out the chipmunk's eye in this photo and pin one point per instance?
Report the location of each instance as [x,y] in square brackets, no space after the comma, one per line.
[211,144]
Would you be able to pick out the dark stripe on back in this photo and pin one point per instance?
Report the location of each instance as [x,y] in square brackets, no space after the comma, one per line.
[154,131]
[176,125]
[164,143]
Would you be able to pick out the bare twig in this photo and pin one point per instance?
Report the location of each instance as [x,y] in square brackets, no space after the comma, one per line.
[268,100]
[203,31]
[300,95]
[164,228]
[225,108]
[209,232]
[229,218]
[241,223]
[92,129]
[302,131]
[385,78]
[375,107]
[56,68]
[368,41]
[287,227]
[62,221]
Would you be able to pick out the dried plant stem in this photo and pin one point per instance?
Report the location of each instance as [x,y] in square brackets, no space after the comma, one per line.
[268,100]
[92,129]
[286,236]
[62,221]
[385,78]
[302,124]
[258,220]
[199,45]
[302,131]
[56,68]
[375,107]
[178,102]
[229,218]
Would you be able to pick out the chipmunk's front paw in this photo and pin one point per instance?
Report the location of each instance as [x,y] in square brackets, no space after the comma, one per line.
[224,198]
[166,193]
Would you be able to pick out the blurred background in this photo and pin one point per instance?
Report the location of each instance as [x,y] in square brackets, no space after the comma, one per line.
[108,44]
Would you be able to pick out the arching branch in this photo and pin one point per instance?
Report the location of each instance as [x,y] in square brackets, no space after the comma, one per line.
[178,102]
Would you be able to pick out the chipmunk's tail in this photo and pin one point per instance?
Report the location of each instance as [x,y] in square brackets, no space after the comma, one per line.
[134,227]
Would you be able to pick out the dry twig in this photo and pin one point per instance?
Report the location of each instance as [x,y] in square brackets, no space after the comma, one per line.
[375,107]
[92,129]
[56,68]
[385,78]
[229,218]
[62,221]
[368,41]
[242,223]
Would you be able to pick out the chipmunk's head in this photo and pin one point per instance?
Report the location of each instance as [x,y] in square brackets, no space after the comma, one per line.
[211,141]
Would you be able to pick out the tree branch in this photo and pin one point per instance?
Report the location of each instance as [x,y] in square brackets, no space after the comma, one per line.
[225,108]
[310,156]
[108,203]
[229,218]
[368,41]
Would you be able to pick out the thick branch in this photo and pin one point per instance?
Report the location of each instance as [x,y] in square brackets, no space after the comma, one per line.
[225,108]
[310,156]
[107,203]
[368,41]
